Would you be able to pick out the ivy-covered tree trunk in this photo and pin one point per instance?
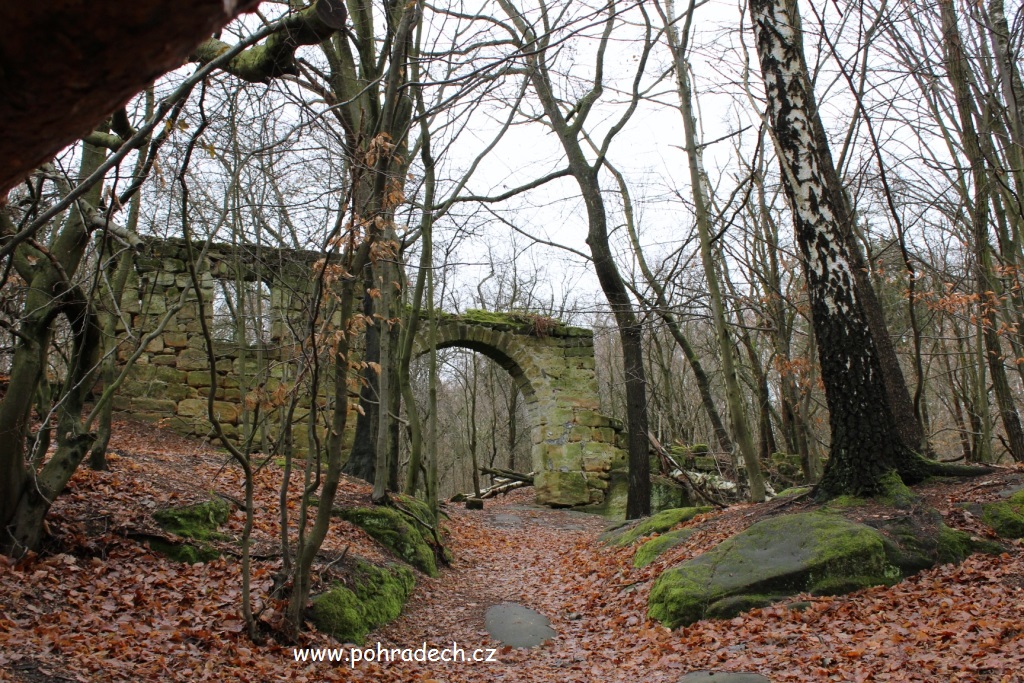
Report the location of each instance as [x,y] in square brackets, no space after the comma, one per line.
[866,444]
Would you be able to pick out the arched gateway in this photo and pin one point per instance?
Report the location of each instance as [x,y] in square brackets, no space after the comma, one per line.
[575,448]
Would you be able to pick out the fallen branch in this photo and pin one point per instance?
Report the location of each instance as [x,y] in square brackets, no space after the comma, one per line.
[508,474]
[673,471]
[497,489]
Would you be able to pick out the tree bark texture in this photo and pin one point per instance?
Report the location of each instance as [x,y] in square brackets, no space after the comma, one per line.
[67,64]
[866,444]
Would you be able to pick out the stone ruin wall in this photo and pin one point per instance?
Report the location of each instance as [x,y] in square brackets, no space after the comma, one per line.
[578,453]
[170,382]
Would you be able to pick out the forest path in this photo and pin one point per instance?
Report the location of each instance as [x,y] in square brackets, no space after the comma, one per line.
[515,552]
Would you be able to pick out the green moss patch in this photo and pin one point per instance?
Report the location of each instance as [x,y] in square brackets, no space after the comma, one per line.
[794,491]
[371,597]
[1006,517]
[652,549]
[775,557]
[624,535]
[396,531]
[895,493]
[198,522]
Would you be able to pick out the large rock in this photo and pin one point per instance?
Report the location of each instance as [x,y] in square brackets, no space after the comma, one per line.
[625,534]
[371,596]
[561,489]
[396,531]
[652,549]
[1006,517]
[817,552]
[198,523]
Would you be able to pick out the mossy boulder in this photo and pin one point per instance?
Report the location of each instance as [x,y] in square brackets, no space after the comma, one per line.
[371,597]
[198,522]
[395,530]
[921,540]
[1006,517]
[814,551]
[188,553]
[626,534]
[667,494]
[652,549]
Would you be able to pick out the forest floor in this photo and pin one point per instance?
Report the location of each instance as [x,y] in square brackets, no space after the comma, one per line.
[99,605]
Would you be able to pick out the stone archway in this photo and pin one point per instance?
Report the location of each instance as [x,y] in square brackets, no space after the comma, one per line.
[575,448]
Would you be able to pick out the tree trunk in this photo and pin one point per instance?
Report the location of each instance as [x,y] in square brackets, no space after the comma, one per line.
[976,143]
[702,215]
[866,443]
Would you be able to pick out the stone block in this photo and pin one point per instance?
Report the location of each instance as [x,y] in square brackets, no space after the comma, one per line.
[193,359]
[579,433]
[165,360]
[173,265]
[226,411]
[155,345]
[705,464]
[199,378]
[588,418]
[130,303]
[192,407]
[190,426]
[154,405]
[175,340]
[188,312]
[562,489]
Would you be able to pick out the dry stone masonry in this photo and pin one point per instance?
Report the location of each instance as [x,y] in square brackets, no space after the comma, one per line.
[577,452]
[171,381]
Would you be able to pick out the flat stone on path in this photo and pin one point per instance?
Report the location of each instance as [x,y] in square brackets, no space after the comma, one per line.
[722,677]
[517,626]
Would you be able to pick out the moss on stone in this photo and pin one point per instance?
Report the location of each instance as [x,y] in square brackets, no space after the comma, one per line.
[1006,517]
[841,585]
[953,545]
[395,531]
[921,540]
[184,552]
[667,494]
[777,557]
[842,502]
[198,522]
[652,549]
[794,491]
[658,524]
[373,596]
